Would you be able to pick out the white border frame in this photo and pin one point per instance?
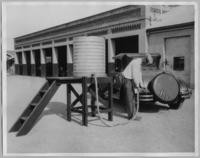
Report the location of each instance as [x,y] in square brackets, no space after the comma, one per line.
[4,80]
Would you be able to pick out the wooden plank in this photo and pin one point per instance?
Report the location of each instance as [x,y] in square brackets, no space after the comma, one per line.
[93,107]
[107,111]
[68,102]
[18,123]
[110,100]
[74,91]
[34,104]
[85,108]
[78,79]
[79,107]
[65,79]
[77,100]
[77,110]
[29,123]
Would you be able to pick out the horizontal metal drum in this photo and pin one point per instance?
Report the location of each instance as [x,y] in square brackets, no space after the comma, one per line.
[89,56]
[165,87]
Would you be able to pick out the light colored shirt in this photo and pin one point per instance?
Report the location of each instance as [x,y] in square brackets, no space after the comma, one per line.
[134,71]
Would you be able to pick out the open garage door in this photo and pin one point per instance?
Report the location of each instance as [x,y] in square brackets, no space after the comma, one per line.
[128,44]
[62,60]
[49,61]
[19,57]
[28,62]
[37,62]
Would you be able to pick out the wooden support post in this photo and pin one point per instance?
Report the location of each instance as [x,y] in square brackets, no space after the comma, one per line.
[68,102]
[84,98]
[110,114]
[93,108]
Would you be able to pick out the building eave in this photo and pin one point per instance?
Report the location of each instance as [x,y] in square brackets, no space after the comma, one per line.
[169,27]
[79,21]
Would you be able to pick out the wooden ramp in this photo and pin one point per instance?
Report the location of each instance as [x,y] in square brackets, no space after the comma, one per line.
[32,112]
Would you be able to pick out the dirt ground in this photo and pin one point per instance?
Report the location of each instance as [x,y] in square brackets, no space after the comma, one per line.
[156,129]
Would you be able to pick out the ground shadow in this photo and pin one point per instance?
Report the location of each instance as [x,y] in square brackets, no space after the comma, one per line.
[59,109]
[151,107]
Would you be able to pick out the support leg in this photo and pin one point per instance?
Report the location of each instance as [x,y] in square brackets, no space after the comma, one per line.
[68,102]
[93,106]
[85,108]
[110,96]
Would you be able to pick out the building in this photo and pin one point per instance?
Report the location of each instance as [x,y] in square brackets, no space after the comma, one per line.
[127,29]
[173,37]
[10,62]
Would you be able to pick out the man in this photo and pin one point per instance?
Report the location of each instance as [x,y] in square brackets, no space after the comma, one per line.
[129,79]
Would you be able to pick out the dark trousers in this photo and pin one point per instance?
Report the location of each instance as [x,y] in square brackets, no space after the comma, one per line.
[127,96]
[125,87]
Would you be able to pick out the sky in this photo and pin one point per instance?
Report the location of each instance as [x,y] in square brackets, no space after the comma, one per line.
[20,18]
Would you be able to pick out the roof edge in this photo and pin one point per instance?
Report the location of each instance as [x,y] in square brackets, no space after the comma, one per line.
[82,20]
[170,26]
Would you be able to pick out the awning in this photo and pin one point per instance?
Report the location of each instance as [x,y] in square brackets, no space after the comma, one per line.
[135,55]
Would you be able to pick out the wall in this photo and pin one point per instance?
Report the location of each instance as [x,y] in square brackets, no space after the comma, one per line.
[156,43]
[122,22]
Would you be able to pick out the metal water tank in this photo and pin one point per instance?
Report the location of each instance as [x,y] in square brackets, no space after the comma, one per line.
[89,56]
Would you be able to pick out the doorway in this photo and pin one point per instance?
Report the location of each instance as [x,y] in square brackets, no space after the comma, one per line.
[49,61]
[128,44]
[37,62]
[62,60]
[28,62]
[19,57]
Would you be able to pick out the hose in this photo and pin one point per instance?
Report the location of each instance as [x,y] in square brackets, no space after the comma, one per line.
[98,106]
[138,103]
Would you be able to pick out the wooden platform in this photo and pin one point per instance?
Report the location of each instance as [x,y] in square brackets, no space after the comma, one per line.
[86,83]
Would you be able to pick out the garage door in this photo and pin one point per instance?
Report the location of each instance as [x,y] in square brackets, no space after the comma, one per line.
[178,54]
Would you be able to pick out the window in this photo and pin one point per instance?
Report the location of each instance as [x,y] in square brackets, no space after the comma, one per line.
[178,64]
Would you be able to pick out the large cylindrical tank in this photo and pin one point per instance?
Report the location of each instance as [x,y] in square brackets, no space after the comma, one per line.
[89,56]
[165,87]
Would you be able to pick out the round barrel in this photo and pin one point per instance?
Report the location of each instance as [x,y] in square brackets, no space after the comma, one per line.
[89,56]
[165,87]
